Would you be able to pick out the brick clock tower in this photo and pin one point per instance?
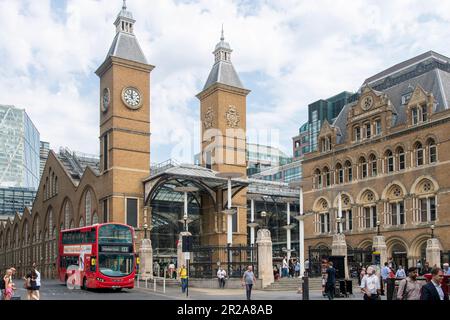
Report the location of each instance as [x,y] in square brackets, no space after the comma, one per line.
[124,125]
[223,149]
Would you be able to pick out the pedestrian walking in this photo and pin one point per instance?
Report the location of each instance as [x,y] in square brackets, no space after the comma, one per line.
[400,274]
[184,278]
[330,286]
[221,275]
[384,277]
[361,275]
[446,269]
[10,287]
[426,269]
[307,265]
[248,280]
[30,285]
[409,288]
[432,291]
[38,282]
[297,269]
[370,285]
[171,270]
[284,268]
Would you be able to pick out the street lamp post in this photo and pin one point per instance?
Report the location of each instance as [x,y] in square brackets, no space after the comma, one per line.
[378,228]
[301,229]
[229,212]
[432,231]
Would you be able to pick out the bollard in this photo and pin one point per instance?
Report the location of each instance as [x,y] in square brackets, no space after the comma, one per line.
[164,285]
[154,284]
[305,287]
[146,283]
[138,284]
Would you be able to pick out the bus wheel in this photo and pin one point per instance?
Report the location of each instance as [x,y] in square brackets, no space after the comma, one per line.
[84,287]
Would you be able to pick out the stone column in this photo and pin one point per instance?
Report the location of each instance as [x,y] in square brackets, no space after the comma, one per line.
[146,257]
[433,252]
[265,264]
[339,248]
[181,257]
[379,245]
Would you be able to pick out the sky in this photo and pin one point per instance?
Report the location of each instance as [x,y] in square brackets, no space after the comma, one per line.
[289,53]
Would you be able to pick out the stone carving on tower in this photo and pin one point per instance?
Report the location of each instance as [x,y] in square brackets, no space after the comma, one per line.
[233,117]
[209,118]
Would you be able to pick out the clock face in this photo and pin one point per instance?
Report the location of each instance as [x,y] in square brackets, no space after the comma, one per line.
[367,103]
[106,99]
[132,98]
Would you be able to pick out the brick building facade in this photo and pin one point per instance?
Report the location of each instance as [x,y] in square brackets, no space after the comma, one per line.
[388,156]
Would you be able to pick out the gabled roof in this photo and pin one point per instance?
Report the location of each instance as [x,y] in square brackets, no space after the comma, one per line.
[127,47]
[433,77]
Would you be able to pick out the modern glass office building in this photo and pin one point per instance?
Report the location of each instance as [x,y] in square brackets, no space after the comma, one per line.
[19,160]
[19,149]
[318,112]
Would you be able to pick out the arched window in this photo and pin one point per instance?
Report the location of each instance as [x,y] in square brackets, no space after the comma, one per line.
[95,218]
[81,222]
[396,206]
[323,217]
[425,192]
[432,151]
[340,173]
[53,191]
[418,151]
[389,161]
[56,185]
[327,176]
[318,178]
[349,171]
[66,215]
[368,219]
[88,208]
[414,116]
[48,189]
[363,166]
[357,133]
[400,152]
[373,165]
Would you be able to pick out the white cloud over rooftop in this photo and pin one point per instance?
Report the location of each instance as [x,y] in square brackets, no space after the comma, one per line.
[290,53]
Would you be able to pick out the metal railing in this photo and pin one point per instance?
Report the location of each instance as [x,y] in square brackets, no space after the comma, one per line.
[154,280]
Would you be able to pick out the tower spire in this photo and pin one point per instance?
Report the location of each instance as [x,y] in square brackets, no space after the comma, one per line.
[124,7]
[222,38]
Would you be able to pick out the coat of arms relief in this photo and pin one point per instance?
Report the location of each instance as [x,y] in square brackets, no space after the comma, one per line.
[208,121]
[233,118]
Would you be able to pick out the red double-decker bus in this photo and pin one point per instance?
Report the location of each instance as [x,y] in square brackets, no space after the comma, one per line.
[98,256]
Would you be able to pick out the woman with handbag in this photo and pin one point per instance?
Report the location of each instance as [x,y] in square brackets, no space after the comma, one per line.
[30,285]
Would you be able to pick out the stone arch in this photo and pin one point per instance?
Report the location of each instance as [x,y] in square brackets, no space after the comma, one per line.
[82,204]
[322,245]
[343,194]
[374,152]
[392,241]
[417,244]
[95,218]
[66,213]
[363,196]
[366,243]
[417,183]
[386,149]
[392,185]
[322,204]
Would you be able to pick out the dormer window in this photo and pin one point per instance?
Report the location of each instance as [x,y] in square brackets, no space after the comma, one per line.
[415,116]
[406,97]
[424,113]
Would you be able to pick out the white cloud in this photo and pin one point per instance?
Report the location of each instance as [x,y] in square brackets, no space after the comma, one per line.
[293,52]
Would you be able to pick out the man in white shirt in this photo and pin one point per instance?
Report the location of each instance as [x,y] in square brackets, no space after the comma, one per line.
[370,285]
[400,273]
[446,269]
[221,274]
[38,282]
[285,268]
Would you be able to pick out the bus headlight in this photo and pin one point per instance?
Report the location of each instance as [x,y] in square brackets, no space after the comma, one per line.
[100,279]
